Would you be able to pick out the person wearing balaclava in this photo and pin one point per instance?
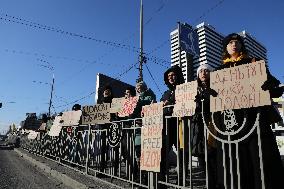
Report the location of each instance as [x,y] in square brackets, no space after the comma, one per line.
[234,54]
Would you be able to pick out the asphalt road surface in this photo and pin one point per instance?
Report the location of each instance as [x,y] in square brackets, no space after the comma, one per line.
[17,173]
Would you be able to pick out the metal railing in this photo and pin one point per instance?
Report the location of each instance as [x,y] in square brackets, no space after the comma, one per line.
[109,151]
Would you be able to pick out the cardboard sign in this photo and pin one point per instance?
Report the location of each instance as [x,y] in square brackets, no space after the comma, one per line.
[71,118]
[116,105]
[151,137]
[185,96]
[42,127]
[239,87]
[97,114]
[56,127]
[32,135]
[128,106]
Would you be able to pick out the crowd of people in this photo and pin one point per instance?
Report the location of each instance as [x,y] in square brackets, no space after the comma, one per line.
[243,163]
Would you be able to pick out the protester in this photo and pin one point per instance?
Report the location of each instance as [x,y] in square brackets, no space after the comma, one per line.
[172,77]
[197,125]
[146,97]
[76,107]
[107,98]
[249,163]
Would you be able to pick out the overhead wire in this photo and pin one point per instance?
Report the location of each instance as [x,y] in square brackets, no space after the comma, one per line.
[93,92]
[153,79]
[25,22]
[194,23]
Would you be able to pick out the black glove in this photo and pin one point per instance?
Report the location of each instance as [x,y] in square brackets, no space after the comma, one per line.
[276,92]
[212,92]
[270,84]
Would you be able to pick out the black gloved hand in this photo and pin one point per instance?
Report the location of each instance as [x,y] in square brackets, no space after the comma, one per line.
[212,92]
[276,92]
[270,84]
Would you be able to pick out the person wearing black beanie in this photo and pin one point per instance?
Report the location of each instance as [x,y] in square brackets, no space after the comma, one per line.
[235,54]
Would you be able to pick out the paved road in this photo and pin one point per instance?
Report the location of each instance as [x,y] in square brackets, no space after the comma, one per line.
[16,173]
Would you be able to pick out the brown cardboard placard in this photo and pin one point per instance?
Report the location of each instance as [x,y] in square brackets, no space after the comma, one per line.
[151,137]
[71,118]
[97,114]
[185,95]
[56,127]
[239,87]
[128,106]
[116,105]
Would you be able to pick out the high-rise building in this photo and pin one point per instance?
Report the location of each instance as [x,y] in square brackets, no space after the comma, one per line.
[254,48]
[211,48]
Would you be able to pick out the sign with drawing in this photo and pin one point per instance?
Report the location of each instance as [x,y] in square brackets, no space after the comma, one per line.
[128,106]
[185,96]
[239,87]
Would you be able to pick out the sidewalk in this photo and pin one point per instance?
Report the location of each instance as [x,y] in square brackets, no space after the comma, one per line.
[69,177]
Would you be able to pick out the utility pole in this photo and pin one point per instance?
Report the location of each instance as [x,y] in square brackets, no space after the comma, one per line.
[51,94]
[141,56]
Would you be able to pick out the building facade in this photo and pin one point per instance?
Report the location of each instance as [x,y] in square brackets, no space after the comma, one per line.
[211,48]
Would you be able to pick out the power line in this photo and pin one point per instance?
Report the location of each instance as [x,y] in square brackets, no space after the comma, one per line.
[25,22]
[28,23]
[195,22]
[208,11]
[93,92]
[153,79]
[48,66]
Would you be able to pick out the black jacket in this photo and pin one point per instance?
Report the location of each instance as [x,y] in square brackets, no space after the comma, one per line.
[169,95]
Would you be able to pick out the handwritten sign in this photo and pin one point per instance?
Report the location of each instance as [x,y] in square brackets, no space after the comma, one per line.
[185,96]
[56,127]
[239,87]
[32,135]
[151,137]
[128,106]
[116,105]
[71,118]
[97,114]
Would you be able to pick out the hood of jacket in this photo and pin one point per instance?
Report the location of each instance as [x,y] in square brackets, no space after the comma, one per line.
[177,70]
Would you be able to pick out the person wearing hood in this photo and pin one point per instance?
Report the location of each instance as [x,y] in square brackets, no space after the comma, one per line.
[172,77]
[107,98]
[234,54]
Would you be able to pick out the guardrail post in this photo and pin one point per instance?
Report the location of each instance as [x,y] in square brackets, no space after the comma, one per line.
[87,150]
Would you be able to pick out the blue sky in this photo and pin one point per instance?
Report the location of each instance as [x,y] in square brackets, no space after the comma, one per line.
[32,38]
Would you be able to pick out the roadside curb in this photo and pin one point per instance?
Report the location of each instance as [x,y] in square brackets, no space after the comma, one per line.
[66,180]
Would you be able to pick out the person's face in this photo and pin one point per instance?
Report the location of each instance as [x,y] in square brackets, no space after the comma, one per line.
[127,94]
[172,78]
[204,75]
[234,47]
[139,89]
[107,93]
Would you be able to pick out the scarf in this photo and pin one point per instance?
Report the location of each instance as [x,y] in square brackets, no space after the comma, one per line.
[233,60]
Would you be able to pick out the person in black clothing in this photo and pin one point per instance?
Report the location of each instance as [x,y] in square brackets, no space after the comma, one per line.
[249,162]
[107,98]
[197,125]
[172,77]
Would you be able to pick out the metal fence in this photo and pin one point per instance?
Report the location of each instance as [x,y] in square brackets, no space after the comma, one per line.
[109,151]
